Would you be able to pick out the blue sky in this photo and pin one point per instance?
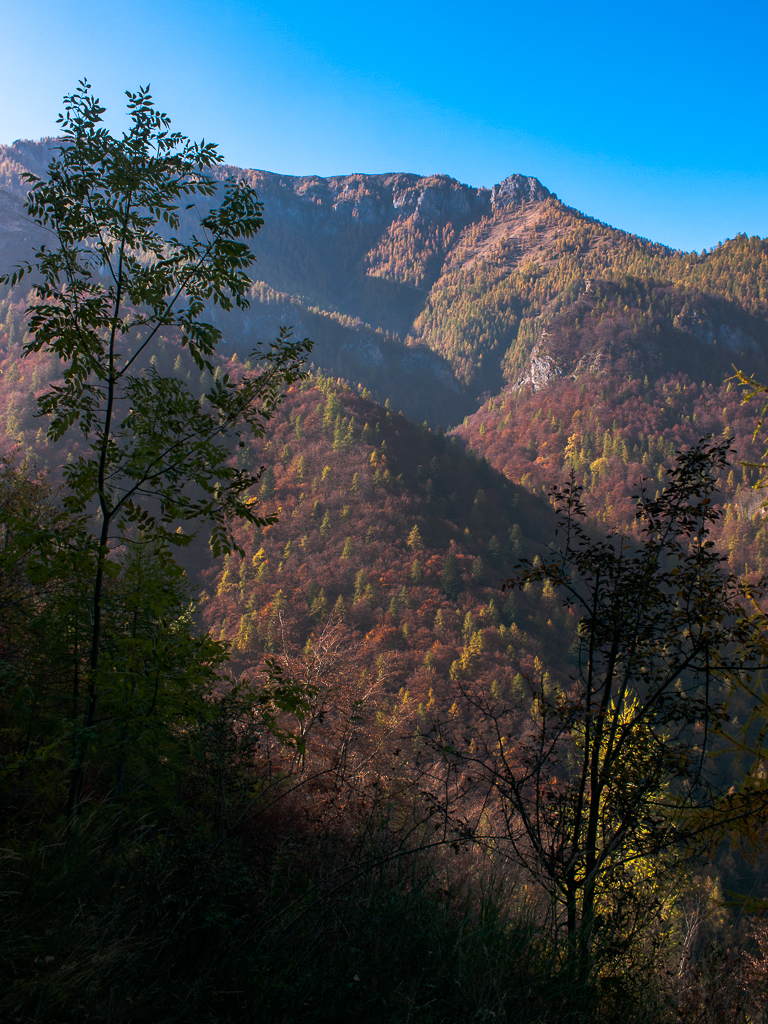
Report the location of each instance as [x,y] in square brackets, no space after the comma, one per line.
[650,116]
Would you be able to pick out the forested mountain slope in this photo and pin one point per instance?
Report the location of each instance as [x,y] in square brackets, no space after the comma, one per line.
[564,344]
[616,438]
[393,534]
[433,293]
[384,526]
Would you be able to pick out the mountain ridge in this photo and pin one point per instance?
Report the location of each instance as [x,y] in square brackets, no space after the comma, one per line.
[437,294]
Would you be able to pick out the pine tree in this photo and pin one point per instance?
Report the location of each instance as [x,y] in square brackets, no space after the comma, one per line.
[415,543]
[332,411]
[451,580]
[319,606]
[267,489]
[339,434]
[492,613]
[469,625]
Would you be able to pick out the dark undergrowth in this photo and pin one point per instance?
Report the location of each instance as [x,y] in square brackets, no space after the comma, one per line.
[166,925]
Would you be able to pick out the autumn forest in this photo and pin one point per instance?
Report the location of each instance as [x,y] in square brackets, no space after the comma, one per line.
[383,574]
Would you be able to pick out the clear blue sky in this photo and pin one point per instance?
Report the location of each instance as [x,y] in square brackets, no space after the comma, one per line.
[650,116]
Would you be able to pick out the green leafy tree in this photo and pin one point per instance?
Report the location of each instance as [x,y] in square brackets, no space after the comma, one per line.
[156,669]
[120,280]
[596,787]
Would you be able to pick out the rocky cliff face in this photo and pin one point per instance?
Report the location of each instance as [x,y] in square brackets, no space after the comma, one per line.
[17,235]
[375,200]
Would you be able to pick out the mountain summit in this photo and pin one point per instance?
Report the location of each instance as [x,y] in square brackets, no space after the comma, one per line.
[377,200]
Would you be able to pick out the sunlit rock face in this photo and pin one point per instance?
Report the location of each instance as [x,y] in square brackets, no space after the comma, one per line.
[375,200]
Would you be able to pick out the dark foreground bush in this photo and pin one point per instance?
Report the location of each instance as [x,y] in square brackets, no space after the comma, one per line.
[173,927]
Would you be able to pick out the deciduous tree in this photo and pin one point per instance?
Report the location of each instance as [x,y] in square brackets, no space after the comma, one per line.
[595,786]
[119,280]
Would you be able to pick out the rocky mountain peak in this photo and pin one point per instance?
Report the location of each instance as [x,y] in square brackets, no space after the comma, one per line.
[517,189]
